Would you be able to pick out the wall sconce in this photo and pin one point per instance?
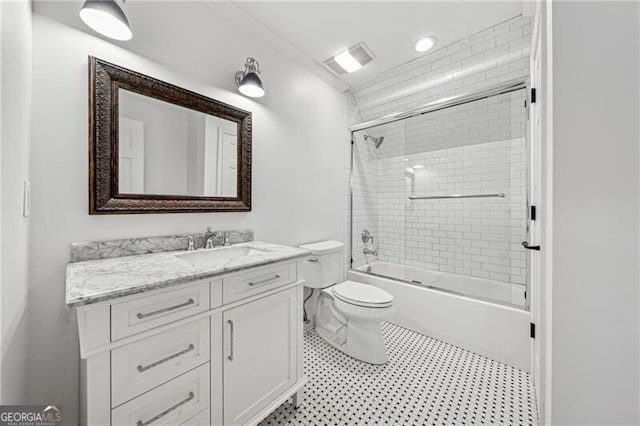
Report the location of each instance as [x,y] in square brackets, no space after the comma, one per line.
[248,82]
[107,17]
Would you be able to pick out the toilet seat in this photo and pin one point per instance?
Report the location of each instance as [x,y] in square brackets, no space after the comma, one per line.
[361,294]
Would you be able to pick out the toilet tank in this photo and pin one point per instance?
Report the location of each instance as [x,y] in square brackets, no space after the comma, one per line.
[325,265]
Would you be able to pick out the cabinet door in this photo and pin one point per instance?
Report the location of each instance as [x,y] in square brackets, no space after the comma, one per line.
[260,342]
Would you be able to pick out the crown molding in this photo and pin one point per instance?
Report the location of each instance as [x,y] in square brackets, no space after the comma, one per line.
[528,8]
[261,31]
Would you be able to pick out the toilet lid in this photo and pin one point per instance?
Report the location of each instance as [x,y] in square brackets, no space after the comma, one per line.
[362,294]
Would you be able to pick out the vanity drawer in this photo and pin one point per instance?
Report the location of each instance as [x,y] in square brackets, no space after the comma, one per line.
[143,365]
[257,280]
[153,310]
[173,403]
[203,418]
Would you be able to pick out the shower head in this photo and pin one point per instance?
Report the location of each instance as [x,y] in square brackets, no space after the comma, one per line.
[376,141]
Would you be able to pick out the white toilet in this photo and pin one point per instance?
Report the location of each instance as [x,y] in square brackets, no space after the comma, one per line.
[348,314]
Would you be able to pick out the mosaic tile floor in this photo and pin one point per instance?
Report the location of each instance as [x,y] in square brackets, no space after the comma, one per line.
[426,382]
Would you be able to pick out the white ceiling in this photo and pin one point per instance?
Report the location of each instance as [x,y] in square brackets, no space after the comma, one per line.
[308,32]
[389,29]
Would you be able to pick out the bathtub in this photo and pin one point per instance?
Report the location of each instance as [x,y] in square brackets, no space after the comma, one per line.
[479,288]
[455,311]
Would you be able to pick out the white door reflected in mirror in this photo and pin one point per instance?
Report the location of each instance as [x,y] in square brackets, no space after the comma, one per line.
[221,156]
[131,156]
[165,149]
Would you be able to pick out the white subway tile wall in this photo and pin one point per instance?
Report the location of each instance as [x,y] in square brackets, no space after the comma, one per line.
[477,237]
[497,54]
[364,203]
[479,147]
[365,197]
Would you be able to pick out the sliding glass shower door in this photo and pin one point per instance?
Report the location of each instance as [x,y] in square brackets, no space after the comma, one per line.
[466,203]
[443,199]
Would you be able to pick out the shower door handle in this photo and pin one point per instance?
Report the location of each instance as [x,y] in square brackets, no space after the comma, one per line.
[526,245]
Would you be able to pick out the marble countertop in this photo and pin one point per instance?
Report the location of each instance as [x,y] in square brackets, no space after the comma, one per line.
[95,281]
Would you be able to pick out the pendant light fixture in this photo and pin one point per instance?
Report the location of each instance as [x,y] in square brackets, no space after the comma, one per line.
[248,82]
[107,17]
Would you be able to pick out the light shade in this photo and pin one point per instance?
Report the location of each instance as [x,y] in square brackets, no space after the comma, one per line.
[347,61]
[107,18]
[425,43]
[248,82]
[251,85]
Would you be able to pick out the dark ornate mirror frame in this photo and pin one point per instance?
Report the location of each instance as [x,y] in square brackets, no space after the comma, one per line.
[104,81]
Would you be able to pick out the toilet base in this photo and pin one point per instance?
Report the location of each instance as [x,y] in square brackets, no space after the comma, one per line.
[362,344]
[360,339]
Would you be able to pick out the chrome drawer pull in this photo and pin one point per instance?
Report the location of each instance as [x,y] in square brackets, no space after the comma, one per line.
[170,308]
[230,356]
[142,368]
[264,281]
[167,411]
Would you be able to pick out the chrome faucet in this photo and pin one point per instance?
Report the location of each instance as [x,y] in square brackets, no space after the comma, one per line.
[215,238]
[369,251]
[366,236]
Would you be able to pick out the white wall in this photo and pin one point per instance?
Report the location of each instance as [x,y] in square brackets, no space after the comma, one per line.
[15,109]
[596,186]
[299,142]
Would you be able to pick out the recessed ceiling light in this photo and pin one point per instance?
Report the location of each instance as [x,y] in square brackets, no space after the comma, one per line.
[347,62]
[425,43]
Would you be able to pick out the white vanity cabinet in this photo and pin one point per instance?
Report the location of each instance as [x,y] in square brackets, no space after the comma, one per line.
[260,343]
[224,350]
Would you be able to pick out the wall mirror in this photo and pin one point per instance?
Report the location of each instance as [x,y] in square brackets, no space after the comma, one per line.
[155,147]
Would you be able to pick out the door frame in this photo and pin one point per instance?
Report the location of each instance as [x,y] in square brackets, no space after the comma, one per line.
[541,297]
[534,194]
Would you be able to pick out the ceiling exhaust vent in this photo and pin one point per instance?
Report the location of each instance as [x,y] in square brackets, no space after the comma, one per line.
[359,52]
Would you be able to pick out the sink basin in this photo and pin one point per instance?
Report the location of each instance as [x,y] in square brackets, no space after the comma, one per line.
[217,256]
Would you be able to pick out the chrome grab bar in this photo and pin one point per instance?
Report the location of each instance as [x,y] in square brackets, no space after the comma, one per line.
[142,368]
[167,411]
[161,311]
[439,197]
[266,280]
